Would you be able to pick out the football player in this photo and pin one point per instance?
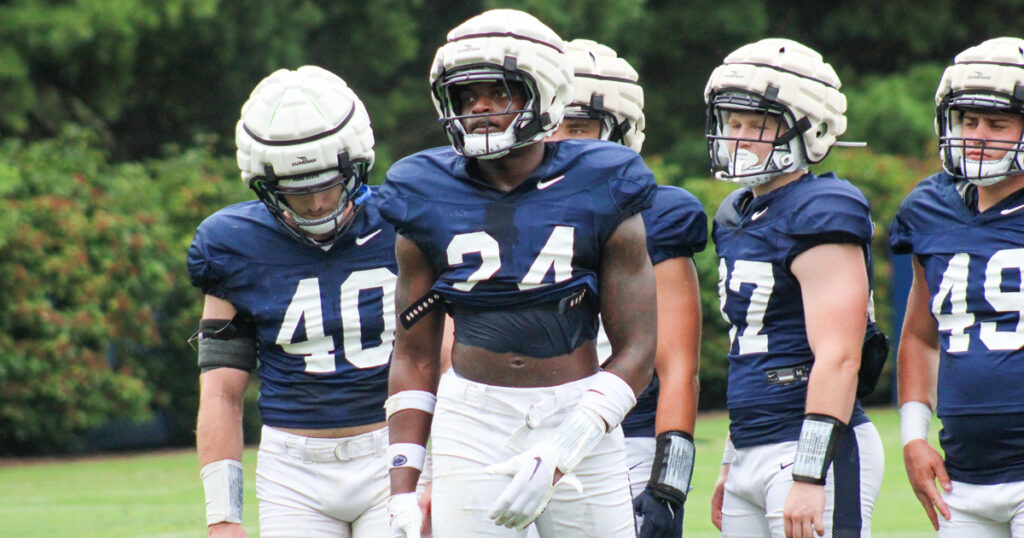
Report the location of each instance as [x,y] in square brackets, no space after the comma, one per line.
[795,285]
[608,105]
[963,332]
[300,286]
[523,243]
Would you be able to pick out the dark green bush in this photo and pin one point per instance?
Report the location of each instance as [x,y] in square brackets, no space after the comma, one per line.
[96,305]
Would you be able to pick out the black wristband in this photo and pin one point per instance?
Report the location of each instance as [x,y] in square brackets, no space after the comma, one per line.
[673,466]
[819,438]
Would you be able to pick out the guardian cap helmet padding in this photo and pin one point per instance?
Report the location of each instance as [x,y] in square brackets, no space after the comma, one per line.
[987,78]
[774,77]
[303,132]
[509,47]
[606,89]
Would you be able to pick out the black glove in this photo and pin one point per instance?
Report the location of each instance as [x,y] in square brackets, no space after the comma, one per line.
[660,518]
[661,503]
[872,359]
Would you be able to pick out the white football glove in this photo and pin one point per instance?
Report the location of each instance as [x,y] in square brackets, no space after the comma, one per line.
[531,488]
[600,409]
[404,515]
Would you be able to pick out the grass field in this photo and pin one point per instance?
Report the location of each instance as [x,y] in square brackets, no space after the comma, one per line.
[159,494]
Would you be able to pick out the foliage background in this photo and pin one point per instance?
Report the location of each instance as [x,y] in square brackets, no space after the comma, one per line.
[116,124]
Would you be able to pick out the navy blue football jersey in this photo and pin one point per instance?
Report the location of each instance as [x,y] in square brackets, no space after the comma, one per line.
[676,227]
[325,320]
[534,244]
[756,239]
[974,268]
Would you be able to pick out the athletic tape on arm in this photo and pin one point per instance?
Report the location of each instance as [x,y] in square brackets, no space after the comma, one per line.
[222,484]
[409,399]
[601,408]
[915,420]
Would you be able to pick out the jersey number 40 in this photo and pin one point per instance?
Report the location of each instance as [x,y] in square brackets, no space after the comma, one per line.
[319,348]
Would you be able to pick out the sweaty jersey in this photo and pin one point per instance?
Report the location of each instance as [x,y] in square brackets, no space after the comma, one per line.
[677,227]
[325,320]
[756,240]
[974,268]
[536,244]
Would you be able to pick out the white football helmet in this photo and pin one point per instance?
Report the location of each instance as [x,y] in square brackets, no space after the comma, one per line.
[606,89]
[302,132]
[774,77]
[509,47]
[989,78]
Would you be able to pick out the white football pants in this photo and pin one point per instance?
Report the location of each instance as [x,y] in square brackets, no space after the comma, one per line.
[984,511]
[476,425]
[310,487]
[760,478]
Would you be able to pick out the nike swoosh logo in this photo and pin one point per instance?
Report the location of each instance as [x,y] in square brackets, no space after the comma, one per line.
[1011,210]
[781,466]
[757,214]
[360,241]
[536,465]
[549,182]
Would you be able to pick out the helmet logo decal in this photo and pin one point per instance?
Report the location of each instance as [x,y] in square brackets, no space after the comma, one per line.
[302,159]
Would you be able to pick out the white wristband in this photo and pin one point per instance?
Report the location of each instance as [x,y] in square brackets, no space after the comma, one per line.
[610,397]
[222,484]
[729,453]
[406,455]
[409,399]
[915,419]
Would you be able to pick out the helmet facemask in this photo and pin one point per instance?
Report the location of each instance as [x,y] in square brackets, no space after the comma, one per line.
[489,145]
[730,162]
[611,130]
[954,147]
[322,231]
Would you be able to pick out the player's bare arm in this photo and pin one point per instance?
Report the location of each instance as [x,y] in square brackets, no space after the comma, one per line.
[415,364]
[918,363]
[219,422]
[678,347]
[628,304]
[835,302]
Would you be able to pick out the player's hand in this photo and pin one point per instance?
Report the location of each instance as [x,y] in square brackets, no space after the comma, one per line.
[404,515]
[804,511]
[924,465]
[718,496]
[657,515]
[226,530]
[427,531]
[533,484]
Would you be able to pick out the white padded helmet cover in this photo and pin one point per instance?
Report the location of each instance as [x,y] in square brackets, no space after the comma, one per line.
[598,70]
[486,40]
[286,121]
[807,86]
